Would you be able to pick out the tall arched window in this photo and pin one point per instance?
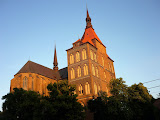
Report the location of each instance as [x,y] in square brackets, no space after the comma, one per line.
[87,88]
[25,81]
[96,71]
[93,70]
[79,71]
[72,74]
[91,54]
[77,57]
[80,90]
[95,57]
[95,88]
[105,76]
[84,56]
[102,61]
[71,59]
[85,69]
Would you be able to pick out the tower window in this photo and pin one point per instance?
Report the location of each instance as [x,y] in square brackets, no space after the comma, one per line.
[84,56]
[80,89]
[87,88]
[85,69]
[72,74]
[91,54]
[71,59]
[95,88]
[79,71]
[93,70]
[95,57]
[25,81]
[77,57]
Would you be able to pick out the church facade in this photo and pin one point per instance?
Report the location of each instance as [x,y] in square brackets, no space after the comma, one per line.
[89,68]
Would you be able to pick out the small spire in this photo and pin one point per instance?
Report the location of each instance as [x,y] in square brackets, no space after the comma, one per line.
[55,63]
[88,20]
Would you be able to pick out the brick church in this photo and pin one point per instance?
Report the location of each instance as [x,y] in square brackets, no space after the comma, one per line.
[89,68]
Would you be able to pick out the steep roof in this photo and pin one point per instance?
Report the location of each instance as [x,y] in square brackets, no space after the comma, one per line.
[88,35]
[32,67]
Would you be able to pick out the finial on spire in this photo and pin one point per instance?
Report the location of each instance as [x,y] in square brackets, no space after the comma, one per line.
[55,63]
[88,20]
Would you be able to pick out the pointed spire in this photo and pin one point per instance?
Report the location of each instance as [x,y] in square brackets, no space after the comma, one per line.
[55,63]
[88,20]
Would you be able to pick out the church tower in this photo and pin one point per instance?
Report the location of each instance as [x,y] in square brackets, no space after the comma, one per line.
[89,66]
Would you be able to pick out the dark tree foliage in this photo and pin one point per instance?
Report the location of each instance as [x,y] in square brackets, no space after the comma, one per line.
[126,103]
[20,104]
[65,101]
[61,104]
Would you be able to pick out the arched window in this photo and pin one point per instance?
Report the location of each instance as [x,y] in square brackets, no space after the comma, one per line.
[95,88]
[72,74]
[77,57]
[96,71]
[85,69]
[79,71]
[84,56]
[25,81]
[91,54]
[93,70]
[87,88]
[102,61]
[71,59]
[105,76]
[80,90]
[95,57]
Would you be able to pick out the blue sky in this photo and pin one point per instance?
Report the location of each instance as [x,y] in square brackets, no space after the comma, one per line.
[130,30]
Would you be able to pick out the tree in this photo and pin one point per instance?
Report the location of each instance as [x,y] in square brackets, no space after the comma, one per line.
[125,103]
[28,105]
[20,104]
[141,102]
[63,99]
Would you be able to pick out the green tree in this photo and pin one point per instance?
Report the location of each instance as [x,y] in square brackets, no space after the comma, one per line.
[141,102]
[125,103]
[20,104]
[28,105]
[63,99]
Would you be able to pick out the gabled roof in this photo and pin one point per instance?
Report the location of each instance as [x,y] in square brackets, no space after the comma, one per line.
[32,67]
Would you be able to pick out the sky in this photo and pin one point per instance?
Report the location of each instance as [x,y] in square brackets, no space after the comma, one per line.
[130,30]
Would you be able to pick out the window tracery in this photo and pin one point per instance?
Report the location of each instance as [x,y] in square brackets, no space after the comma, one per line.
[87,88]
[77,57]
[84,56]
[79,71]
[85,69]
[71,59]
[72,74]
